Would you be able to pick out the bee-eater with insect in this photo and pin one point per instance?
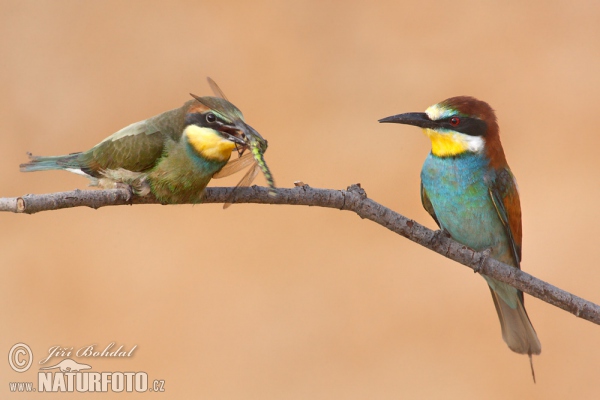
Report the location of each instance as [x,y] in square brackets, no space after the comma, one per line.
[471,193]
[172,155]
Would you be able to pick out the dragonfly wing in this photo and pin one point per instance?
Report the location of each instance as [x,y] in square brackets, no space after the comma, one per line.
[235,165]
[245,181]
[216,89]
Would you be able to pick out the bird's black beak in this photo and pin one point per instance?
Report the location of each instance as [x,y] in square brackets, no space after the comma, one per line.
[234,134]
[231,135]
[417,119]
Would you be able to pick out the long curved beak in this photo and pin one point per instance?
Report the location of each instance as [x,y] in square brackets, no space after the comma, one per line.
[234,133]
[233,138]
[415,118]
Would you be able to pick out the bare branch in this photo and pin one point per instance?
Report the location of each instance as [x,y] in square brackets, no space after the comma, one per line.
[354,199]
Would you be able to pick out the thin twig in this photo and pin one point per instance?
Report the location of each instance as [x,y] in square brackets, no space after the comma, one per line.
[354,199]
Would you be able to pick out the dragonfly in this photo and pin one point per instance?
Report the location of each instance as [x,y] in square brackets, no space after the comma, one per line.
[249,155]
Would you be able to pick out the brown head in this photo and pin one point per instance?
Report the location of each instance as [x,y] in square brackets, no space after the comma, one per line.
[458,125]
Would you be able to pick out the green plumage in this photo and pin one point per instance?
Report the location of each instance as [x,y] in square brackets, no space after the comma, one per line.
[137,147]
[155,156]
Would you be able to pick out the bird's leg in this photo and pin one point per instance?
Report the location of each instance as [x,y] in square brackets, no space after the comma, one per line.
[487,252]
[121,178]
[130,190]
[105,183]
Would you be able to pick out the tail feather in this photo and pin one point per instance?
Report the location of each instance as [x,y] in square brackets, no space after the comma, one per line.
[517,330]
[42,163]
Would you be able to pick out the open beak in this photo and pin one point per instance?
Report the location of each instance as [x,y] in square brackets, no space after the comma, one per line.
[417,119]
[233,133]
[233,138]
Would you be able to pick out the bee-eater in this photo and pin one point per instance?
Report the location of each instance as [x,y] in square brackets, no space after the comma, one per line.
[173,155]
[471,193]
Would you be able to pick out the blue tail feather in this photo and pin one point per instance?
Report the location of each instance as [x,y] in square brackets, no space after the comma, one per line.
[42,163]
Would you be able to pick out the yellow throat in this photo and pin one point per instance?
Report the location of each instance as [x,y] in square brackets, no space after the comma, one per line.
[452,143]
[208,143]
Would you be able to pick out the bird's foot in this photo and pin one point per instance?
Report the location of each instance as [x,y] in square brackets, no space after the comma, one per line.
[485,254]
[140,187]
[130,191]
[135,182]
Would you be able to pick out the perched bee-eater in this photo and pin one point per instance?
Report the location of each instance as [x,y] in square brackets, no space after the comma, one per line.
[173,155]
[469,190]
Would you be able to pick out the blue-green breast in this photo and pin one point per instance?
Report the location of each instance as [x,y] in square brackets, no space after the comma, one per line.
[458,190]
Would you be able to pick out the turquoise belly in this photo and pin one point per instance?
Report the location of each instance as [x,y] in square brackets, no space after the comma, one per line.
[457,189]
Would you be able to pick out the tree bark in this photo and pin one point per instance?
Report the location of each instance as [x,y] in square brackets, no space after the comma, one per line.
[353,199]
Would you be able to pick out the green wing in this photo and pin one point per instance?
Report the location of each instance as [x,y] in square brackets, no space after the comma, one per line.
[136,147]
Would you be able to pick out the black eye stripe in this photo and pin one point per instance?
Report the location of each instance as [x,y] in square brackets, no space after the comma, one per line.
[202,119]
[468,126]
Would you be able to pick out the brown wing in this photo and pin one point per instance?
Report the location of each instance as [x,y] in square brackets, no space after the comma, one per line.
[427,205]
[505,196]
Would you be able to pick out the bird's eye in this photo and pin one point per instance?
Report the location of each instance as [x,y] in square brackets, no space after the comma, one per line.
[454,121]
[210,117]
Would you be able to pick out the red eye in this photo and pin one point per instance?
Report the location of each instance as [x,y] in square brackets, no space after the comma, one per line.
[454,121]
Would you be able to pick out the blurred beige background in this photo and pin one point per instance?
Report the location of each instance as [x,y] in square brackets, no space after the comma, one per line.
[283,302]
